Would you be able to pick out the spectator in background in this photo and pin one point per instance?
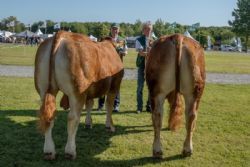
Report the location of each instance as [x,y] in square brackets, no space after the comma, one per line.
[142,46]
[121,48]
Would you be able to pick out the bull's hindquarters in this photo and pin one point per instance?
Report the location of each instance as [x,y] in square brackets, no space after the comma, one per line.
[72,63]
[175,69]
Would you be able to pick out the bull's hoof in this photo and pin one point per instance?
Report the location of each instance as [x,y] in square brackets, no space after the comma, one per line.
[110,129]
[49,156]
[186,153]
[70,156]
[157,154]
[88,126]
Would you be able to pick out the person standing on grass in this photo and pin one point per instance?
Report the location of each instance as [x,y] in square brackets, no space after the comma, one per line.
[142,46]
[121,48]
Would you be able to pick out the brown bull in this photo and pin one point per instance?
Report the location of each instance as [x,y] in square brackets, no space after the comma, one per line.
[82,70]
[175,68]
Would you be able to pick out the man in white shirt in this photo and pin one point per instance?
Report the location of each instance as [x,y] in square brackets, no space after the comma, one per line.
[142,46]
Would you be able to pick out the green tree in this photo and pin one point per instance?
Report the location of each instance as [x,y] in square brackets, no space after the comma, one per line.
[126,30]
[170,28]
[90,26]
[179,29]
[201,36]
[101,30]
[159,28]
[137,28]
[227,36]
[77,27]
[18,26]
[241,22]
[36,25]
[50,26]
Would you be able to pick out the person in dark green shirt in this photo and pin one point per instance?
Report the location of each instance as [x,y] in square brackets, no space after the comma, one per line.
[142,47]
[121,48]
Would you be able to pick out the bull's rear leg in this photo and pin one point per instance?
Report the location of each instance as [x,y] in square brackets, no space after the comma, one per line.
[49,146]
[76,104]
[109,107]
[157,112]
[191,115]
[88,119]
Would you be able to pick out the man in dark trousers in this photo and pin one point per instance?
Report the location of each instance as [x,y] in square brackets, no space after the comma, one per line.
[121,48]
[142,46]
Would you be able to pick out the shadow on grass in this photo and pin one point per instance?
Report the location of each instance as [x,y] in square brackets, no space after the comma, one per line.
[21,144]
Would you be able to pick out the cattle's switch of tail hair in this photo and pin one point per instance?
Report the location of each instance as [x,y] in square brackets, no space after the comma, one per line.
[176,110]
[47,112]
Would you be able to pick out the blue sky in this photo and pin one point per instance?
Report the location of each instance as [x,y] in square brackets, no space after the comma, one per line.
[186,12]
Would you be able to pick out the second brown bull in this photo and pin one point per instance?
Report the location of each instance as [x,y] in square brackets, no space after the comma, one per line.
[175,68]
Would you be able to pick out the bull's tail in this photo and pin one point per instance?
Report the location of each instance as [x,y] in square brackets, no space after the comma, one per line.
[176,109]
[47,111]
[175,98]
[48,107]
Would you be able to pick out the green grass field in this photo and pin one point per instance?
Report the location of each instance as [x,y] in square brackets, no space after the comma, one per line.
[228,62]
[221,62]
[17,54]
[221,138]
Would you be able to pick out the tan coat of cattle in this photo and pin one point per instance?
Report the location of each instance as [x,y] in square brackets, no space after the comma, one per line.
[82,70]
[175,67]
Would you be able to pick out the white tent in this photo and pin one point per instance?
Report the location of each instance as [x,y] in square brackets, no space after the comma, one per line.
[187,34]
[25,34]
[5,36]
[6,33]
[92,38]
[38,32]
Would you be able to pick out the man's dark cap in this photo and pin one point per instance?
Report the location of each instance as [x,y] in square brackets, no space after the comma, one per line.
[115,25]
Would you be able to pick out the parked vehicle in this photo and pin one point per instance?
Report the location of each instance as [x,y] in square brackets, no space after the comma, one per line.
[227,48]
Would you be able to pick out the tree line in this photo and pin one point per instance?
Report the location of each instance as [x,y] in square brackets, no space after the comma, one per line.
[101,29]
[240,27]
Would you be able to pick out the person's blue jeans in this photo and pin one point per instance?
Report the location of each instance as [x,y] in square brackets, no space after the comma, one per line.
[117,100]
[101,101]
[140,85]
